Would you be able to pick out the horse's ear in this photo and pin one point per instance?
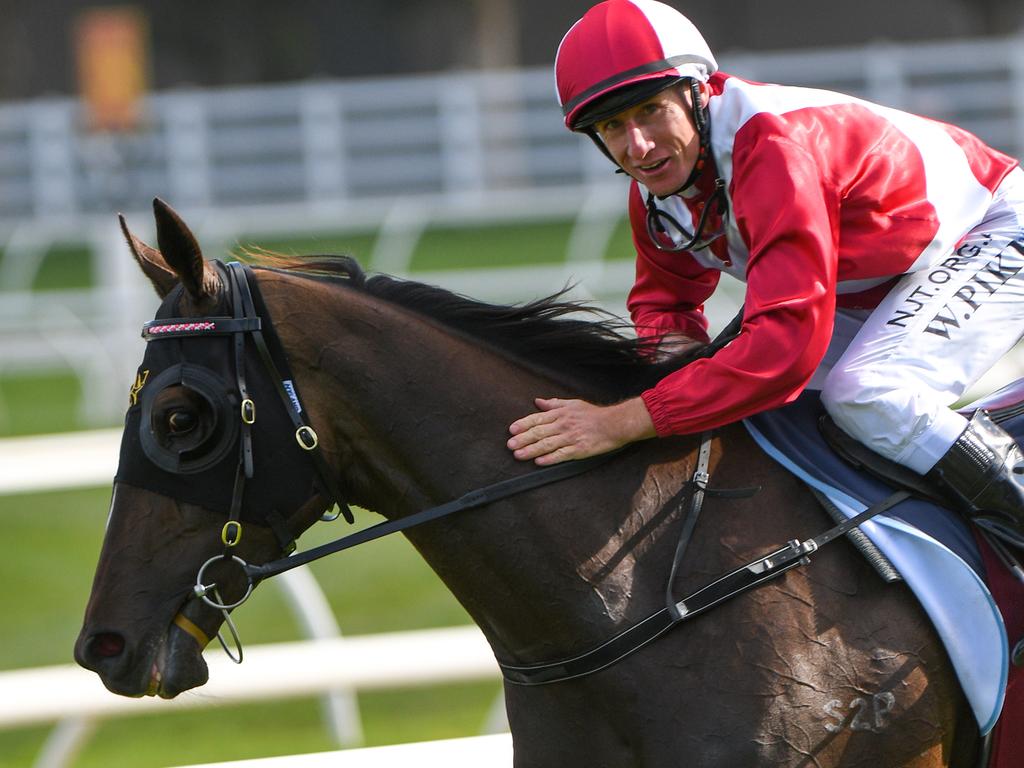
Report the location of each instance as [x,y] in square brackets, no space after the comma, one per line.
[151,261]
[182,253]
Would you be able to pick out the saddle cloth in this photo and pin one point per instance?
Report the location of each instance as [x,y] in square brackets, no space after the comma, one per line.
[953,574]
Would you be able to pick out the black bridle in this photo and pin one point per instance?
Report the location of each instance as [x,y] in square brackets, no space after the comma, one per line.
[247,322]
[251,321]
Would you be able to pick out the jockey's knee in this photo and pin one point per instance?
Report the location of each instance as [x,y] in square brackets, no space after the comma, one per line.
[846,400]
[867,411]
[896,420]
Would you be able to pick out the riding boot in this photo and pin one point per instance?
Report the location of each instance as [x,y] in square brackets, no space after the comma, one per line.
[984,470]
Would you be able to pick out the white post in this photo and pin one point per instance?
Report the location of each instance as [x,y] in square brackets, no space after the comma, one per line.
[51,142]
[188,161]
[323,144]
[462,157]
[308,602]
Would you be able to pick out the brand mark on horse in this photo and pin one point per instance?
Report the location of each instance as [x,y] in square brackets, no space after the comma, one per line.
[860,714]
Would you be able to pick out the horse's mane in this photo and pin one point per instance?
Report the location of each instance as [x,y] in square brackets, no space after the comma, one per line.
[595,355]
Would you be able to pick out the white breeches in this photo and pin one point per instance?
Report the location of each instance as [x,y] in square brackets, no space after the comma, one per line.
[898,368]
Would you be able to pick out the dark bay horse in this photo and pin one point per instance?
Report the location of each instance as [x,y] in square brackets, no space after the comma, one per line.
[411,390]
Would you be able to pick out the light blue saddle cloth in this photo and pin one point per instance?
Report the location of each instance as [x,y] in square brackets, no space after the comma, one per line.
[931,547]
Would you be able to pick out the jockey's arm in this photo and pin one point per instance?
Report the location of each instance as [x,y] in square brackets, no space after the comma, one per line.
[665,301]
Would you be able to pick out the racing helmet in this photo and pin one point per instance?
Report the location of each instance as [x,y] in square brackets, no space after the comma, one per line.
[621,53]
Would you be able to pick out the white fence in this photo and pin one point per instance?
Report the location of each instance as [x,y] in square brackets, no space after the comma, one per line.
[390,156]
[328,664]
[269,672]
[450,136]
[474,752]
[55,462]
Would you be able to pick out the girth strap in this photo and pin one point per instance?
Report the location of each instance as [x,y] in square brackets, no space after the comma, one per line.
[697,488]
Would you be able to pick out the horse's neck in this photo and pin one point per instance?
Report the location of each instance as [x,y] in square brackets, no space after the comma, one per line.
[417,413]
[420,416]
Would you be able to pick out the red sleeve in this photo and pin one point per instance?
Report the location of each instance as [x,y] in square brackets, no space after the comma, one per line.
[786,211]
[670,288]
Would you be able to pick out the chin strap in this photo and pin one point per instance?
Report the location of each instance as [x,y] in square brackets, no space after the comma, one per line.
[191,628]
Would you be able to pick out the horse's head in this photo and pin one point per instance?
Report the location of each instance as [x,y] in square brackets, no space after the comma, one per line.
[214,470]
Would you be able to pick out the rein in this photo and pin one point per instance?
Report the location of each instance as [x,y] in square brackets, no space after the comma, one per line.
[471,500]
[247,322]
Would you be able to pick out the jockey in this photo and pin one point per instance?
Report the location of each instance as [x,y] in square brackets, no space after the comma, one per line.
[883,255]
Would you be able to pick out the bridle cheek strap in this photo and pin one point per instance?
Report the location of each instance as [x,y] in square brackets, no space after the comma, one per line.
[304,433]
[247,322]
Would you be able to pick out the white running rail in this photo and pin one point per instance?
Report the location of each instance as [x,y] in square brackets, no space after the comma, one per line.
[493,751]
[270,672]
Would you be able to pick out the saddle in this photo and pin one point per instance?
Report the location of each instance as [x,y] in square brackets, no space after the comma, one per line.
[1005,407]
[974,602]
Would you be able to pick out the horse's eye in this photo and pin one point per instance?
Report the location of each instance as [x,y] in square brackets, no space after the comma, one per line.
[180,422]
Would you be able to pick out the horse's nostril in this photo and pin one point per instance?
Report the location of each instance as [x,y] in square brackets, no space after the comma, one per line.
[106,645]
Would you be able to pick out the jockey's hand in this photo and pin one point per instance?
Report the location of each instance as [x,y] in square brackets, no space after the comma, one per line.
[575,429]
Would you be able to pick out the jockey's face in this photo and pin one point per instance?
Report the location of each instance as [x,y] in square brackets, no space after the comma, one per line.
[655,141]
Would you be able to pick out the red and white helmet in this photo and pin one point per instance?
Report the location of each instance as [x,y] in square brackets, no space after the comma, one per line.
[621,43]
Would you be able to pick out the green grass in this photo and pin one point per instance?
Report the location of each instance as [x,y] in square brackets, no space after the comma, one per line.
[505,246]
[53,542]
[65,266]
[266,730]
[39,403]
[53,539]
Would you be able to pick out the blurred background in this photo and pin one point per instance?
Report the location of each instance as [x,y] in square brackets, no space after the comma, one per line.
[421,137]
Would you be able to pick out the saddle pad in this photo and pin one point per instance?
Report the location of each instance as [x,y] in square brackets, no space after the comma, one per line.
[931,547]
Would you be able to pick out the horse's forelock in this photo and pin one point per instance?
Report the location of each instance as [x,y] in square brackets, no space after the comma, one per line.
[327,266]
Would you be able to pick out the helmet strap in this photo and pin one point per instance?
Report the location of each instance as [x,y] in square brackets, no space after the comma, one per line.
[596,138]
[702,121]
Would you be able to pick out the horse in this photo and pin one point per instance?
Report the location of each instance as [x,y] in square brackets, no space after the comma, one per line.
[411,390]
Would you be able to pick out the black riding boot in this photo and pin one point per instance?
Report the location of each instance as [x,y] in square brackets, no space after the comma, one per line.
[984,469]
